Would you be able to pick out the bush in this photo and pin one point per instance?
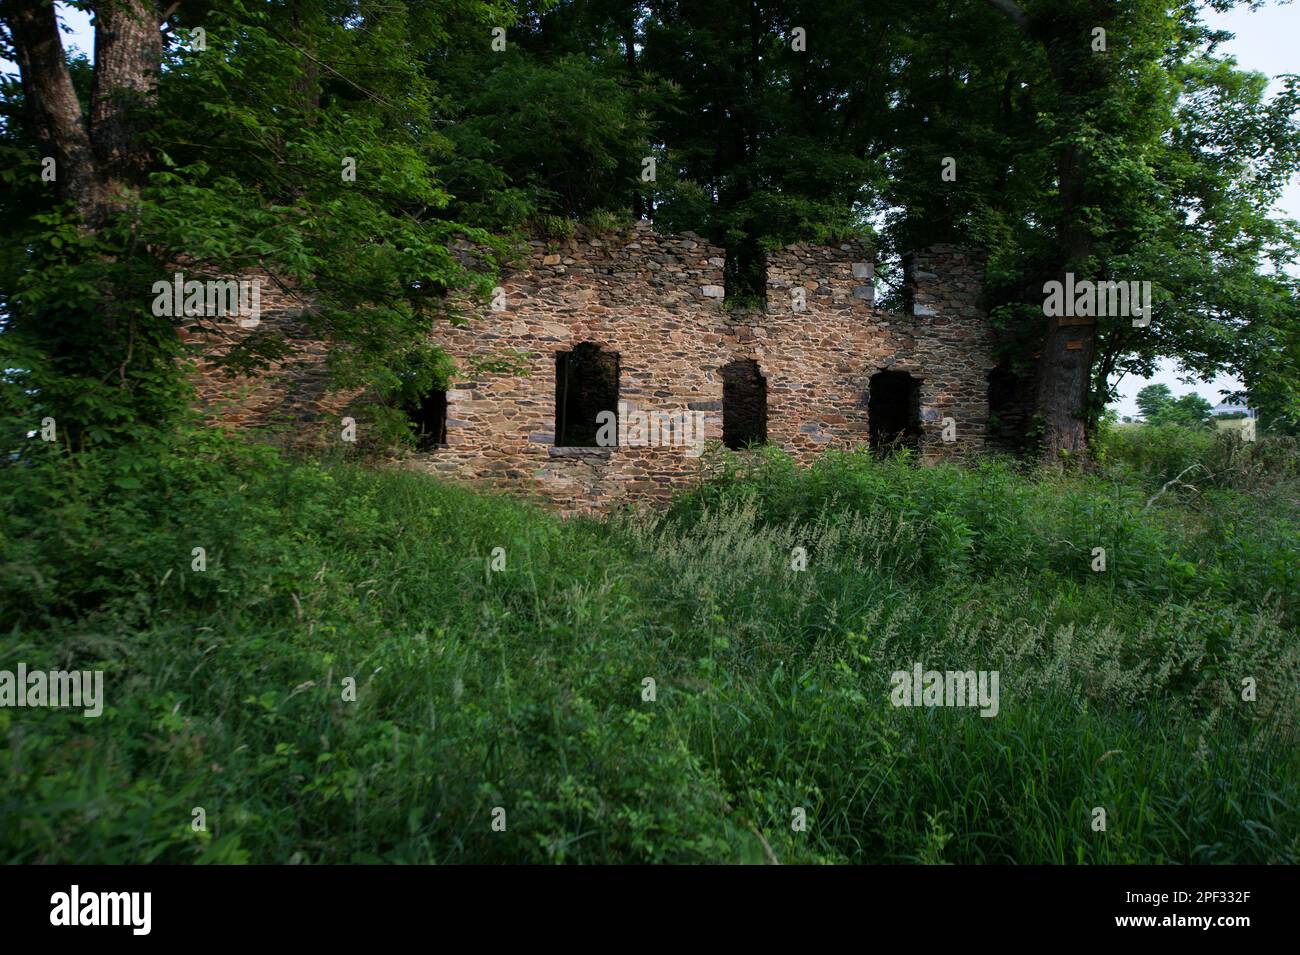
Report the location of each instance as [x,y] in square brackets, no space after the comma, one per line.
[1159,454]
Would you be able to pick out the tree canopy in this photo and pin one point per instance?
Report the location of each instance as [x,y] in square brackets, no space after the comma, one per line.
[1107,140]
[1159,406]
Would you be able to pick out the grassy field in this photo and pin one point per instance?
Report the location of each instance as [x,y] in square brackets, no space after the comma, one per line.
[519,696]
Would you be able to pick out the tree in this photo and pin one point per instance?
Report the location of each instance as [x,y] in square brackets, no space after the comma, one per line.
[1159,406]
[1189,411]
[1153,399]
[100,155]
[1102,139]
[536,135]
[776,134]
[1134,154]
[236,156]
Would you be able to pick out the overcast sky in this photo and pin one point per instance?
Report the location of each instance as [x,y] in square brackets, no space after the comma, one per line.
[1267,41]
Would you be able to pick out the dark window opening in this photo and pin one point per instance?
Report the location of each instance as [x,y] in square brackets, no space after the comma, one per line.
[744,404]
[894,411]
[429,421]
[1002,386]
[586,383]
[1011,402]
[745,272]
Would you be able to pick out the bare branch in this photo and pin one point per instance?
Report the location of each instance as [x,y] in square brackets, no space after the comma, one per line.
[1177,479]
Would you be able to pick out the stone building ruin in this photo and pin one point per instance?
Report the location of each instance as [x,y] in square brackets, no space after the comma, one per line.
[633,324]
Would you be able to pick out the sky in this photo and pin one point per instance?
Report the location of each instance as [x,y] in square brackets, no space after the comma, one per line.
[1267,41]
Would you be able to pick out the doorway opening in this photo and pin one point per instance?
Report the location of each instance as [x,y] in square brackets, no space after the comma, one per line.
[894,412]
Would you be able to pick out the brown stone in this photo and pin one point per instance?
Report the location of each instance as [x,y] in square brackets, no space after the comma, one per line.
[672,335]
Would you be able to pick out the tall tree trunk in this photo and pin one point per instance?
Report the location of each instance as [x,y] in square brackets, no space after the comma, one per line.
[307,86]
[1064,381]
[34,29]
[128,54]
[629,58]
[1065,369]
[101,161]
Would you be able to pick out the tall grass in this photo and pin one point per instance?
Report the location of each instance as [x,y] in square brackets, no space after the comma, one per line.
[523,690]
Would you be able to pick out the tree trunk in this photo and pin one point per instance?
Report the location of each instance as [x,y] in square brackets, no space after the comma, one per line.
[100,161]
[1065,368]
[34,29]
[629,55]
[128,54]
[1064,380]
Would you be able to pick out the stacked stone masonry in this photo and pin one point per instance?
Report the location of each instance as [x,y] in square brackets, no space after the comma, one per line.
[657,301]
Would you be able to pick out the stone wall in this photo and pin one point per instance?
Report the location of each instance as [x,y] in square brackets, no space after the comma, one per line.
[657,301]
[288,404]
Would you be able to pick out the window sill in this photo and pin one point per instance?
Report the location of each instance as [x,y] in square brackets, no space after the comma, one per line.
[558,452]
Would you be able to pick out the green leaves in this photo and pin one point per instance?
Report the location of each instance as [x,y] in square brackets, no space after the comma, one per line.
[299,144]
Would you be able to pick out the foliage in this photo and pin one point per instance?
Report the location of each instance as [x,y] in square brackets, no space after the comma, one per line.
[1152,399]
[1159,406]
[251,146]
[1189,410]
[1156,159]
[534,138]
[522,689]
